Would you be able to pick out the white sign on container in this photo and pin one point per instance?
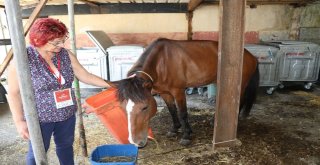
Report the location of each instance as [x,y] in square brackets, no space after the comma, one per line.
[121,59]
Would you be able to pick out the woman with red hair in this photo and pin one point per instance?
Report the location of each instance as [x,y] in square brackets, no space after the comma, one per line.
[52,72]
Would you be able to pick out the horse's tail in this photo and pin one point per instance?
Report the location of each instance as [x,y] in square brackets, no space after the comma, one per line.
[250,94]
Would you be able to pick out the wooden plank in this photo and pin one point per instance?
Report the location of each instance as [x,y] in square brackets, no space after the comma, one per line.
[26,29]
[138,1]
[184,1]
[89,3]
[112,8]
[266,2]
[5,42]
[161,1]
[231,42]
[148,1]
[173,1]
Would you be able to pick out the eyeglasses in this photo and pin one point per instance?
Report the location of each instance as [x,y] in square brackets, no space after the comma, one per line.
[57,44]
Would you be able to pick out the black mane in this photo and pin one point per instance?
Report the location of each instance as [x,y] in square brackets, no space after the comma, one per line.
[139,64]
[131,88]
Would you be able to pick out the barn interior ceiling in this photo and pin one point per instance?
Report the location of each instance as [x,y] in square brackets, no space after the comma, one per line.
[59,7]
[31,3]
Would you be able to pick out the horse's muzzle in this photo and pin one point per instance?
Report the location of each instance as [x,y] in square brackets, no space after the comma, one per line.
[140,144]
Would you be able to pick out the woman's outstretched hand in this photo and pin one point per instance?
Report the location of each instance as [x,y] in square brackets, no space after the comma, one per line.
[87,108]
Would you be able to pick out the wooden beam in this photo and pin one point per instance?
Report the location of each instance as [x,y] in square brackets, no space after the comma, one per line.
[193,4]
[231,43]
[26,29]
[281,1]
[5,42]
[267,2]
[89,3]
[111,8]
[94,7]
[295,25]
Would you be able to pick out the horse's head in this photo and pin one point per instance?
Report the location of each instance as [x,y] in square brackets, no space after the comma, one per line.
[136,99]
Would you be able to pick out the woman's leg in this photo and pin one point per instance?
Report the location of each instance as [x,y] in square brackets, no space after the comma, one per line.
[64,137]
[46,131]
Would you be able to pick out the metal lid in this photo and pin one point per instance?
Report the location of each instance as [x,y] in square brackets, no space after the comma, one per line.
[287,42]
[100,39]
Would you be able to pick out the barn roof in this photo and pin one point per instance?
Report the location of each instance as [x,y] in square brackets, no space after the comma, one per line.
[59,7]
[32,3]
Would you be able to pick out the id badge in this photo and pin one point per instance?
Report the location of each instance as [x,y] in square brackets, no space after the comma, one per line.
[63,98]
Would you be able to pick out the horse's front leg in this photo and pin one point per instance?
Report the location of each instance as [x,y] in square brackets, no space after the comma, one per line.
[169,100]
[181,103]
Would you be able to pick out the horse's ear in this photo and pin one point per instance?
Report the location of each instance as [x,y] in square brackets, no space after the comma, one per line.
[147,84]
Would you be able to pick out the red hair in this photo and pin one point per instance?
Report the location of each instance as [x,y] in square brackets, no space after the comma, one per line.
[46,29]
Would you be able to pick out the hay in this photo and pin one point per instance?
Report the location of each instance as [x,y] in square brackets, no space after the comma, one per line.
[311,97]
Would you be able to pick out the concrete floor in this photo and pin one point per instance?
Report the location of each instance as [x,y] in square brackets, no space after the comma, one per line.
[13,148]
[8,133]
[12,144]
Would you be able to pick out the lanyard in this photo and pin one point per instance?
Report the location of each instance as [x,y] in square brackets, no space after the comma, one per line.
[50,69]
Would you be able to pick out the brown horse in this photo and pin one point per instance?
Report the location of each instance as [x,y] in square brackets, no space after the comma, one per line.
[167,68]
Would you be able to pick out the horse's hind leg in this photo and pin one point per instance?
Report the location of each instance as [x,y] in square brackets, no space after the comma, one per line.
[180,99]
[169,100]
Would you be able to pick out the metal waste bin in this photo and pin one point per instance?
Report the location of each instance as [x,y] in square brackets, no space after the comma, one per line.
[95,62]
[268,65]
[299,62]
[121,59]
[94,59]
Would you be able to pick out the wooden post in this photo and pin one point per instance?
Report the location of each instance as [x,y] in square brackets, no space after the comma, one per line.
[295,25]
[192,5]
[232,14]
[23,70]
[189,17]
[82,134]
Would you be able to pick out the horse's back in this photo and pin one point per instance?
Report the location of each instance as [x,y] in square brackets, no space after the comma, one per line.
[187,63]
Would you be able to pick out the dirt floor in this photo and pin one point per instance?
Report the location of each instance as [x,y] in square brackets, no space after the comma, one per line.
[284,128]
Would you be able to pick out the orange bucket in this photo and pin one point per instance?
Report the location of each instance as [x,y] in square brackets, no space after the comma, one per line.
[107,108]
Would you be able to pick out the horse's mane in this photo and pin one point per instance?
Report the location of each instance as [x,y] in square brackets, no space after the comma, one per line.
[139,63]
[131,88]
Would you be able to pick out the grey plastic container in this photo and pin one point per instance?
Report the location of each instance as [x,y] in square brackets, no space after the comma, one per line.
[268,64]
[299,61]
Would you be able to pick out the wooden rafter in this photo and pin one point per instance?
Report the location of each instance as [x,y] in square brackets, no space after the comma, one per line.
[92,4]
[193,4]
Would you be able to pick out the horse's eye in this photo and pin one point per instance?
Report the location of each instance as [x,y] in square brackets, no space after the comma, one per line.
[145,108]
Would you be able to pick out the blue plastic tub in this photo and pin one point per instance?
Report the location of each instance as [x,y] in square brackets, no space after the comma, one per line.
[121,154]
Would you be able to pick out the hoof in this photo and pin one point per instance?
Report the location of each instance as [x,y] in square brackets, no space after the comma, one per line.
[185,142]
[171,134]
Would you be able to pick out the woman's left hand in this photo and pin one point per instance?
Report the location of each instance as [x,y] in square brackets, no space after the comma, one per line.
[87,108]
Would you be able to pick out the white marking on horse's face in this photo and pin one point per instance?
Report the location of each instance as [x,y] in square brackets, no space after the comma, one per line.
[129,109]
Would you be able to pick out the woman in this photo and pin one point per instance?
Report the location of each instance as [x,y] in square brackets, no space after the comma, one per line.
[52,72]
